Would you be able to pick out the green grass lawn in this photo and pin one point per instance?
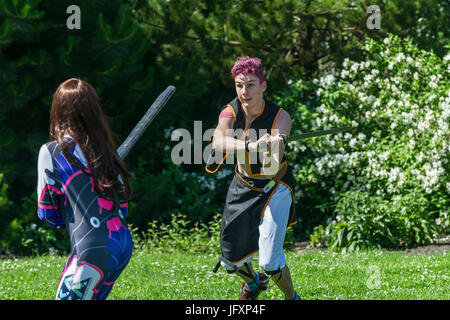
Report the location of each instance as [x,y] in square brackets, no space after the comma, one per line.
[316,275]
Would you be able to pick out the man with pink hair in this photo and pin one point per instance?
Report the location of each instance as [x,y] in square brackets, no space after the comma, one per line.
[260,200]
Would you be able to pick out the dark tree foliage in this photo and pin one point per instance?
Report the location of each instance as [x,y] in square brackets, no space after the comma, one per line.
[132,50]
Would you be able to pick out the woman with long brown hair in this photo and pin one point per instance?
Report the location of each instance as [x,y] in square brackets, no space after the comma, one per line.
[83,184]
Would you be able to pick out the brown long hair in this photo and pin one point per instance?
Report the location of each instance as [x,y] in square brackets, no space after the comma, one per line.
[76,111]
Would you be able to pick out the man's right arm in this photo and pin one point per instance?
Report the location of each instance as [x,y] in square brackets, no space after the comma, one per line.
[224,139]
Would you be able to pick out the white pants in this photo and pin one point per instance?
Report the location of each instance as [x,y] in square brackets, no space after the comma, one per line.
[272,230]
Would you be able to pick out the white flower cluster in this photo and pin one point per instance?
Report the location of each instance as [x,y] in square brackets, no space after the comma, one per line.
[400,109]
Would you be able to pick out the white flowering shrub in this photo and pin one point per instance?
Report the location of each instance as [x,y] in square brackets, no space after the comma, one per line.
[385,183]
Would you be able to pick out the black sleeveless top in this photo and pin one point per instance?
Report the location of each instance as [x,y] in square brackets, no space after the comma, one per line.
[263,123]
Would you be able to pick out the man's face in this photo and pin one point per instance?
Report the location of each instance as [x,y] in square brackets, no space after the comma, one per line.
[249,90]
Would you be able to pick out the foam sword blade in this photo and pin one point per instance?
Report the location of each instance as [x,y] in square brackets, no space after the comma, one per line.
[305,135]
[143,124]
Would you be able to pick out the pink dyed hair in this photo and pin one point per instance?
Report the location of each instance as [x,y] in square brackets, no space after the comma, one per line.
[247,66]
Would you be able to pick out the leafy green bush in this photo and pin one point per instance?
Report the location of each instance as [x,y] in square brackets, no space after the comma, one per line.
[5,206]
[180,235]
[3,198]
[26,234]
[385,183]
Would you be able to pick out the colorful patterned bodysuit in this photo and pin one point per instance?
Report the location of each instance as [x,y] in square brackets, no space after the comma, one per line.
[101,244]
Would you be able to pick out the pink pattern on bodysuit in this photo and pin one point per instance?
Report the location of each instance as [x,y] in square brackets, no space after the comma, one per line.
[106,204]
[114,225]
[102,203]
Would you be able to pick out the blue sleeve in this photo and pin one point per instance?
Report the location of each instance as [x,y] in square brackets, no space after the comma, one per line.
[49,188]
